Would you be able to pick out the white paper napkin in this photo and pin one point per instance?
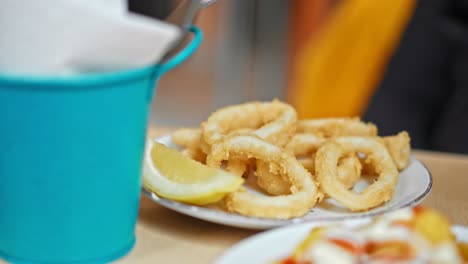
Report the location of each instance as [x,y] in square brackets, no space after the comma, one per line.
[64,37]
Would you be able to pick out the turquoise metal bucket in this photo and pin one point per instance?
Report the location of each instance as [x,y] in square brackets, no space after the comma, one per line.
[70,163]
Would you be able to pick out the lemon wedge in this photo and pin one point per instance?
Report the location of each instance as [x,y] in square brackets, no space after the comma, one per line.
[172,175]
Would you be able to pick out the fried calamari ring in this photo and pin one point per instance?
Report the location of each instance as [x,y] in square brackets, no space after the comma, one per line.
[308,163]
[349,171]
[272,121]
[195,154]
[205,147]
[399,148]
[326,164]
[304,144]
[197,149]
[192,138]
[187,137]
[331,127]
[236,166]
[349,168]
[277,184]
[303,190]
[269,181]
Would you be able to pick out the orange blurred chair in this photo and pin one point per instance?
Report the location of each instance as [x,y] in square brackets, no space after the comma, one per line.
[336,72]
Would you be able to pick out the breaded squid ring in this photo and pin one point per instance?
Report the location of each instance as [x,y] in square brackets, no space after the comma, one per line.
[349,168]
[191,139]
[299,145]
[308,163]
[349,171]
[326,164]
[303,189]
[304,144]
[331,127]
[272,121]
[269,181]
[195,154]
[236,166]
[187,137]
[274,184]
[399,148]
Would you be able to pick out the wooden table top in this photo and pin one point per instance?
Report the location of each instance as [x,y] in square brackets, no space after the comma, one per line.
[164,236]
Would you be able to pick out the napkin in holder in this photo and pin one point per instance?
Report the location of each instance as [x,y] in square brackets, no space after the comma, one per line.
[68,37]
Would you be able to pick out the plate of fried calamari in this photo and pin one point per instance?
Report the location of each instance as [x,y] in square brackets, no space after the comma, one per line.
[292,170]
[403,236]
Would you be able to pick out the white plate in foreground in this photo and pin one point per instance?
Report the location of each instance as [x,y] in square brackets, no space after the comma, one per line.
[276,244]
[414,184]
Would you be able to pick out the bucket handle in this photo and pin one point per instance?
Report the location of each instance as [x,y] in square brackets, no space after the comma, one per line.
[184,53]
[177,59]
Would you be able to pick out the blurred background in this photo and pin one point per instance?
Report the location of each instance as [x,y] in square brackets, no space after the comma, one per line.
[397,63]
[243,57]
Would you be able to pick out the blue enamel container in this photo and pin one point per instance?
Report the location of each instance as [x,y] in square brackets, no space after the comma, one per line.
[71,151]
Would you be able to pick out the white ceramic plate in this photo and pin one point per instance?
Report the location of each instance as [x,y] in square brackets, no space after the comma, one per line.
[414,184]
[276,244]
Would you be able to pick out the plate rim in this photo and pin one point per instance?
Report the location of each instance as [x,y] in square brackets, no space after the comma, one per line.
[267,223]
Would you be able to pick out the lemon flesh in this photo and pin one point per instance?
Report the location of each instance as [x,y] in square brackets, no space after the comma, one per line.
[172,175]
